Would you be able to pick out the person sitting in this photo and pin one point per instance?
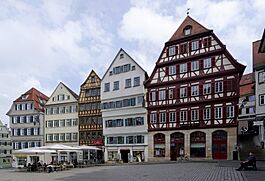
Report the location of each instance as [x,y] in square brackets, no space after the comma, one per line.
[251,161]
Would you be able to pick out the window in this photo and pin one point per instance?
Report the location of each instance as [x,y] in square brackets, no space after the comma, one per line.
[207,114]
[67,136]
[187,31]
[195,65]
[172,116]
[171,93]
[136,81]
[261,77]
[50,124]
[172,70]
[62,136]
[194,115]
[162,95]
[207,89]
[262,99]
[218,112]
[68,122]
[152,96]
[61,97]
[218,86]
[159,145]
[171,51]
[183,116]
[112,155]
[74,136]
[56,123]
[106,87]
[116,85]
[162,117]
[183,92]
[195,90]
[121,55]
[207,42]
[183,68]
[207,63]
[56,137]
[128,83]
[62,123]
[194,45]
[153,118]
[230,112]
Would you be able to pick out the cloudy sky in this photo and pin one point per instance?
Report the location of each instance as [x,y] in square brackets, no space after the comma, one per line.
[43,42]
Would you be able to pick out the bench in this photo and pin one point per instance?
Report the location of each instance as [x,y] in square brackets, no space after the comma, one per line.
[252,166]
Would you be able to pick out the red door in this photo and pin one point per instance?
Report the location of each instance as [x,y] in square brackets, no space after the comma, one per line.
[219,148]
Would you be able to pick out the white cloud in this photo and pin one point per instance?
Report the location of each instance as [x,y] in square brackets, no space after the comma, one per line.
[143,24]
[41,45]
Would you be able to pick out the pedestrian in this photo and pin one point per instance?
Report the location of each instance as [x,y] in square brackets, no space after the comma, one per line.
[251,161]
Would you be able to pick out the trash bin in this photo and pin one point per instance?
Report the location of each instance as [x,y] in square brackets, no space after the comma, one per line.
[235,155]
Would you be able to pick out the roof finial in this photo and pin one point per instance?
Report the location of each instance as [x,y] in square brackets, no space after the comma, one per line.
[188,11]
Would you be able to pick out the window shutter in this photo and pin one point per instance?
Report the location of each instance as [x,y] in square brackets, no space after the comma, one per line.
[201,64]
[177,93]
[200,43]
[157,95]
[209,40]
[229,85]
[167,94]
[213,61]
[188,66]
[177,48]
[189,91]
[177,69]
[225,85]
[201,89]
[166,70]
[189,46]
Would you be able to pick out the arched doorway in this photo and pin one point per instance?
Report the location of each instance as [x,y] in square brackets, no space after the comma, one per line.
[219,142]
[176,143]
[197,144]
[159,145]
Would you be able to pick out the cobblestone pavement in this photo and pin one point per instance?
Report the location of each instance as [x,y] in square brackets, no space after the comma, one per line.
[188,171]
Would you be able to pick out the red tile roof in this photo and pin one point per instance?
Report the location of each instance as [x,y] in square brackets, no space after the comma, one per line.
[188,21]
[247,84]
[39,99]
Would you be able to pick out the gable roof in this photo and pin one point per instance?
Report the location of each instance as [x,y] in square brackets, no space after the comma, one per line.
[188,21]
[70,91]
[258,58]
[121,50]
[39,99]
[88,77]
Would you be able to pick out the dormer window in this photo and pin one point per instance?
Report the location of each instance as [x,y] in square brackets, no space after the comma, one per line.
[187,30]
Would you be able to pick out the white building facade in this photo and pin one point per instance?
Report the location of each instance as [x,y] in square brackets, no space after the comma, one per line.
[26,120]
[61,117]
[5,147]
[123,110]
[259,70]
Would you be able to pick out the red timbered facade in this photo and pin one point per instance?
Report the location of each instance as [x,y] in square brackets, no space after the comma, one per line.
[193,90]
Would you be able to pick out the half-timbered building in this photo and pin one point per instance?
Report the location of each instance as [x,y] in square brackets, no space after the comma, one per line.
[192,96]
[90,119]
